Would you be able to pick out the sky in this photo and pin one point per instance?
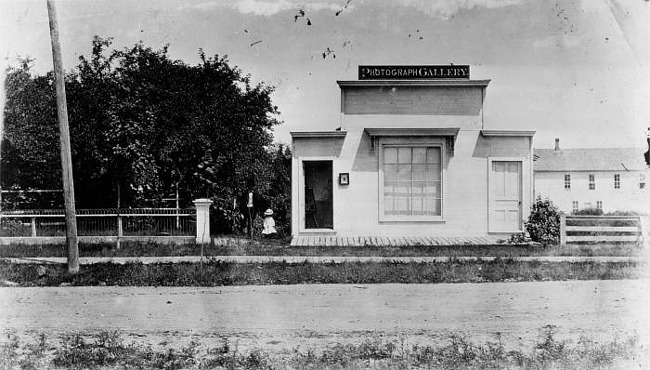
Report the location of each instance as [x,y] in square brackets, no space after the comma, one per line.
[572,69]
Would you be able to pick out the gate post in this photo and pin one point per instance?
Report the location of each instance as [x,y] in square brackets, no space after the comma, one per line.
[644,231]
[562,230]
[202,220]
[120,230]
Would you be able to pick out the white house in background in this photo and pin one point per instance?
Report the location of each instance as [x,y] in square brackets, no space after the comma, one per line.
[611,179]
[412,158]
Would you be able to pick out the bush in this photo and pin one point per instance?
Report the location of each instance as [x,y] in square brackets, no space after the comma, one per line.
[543,224]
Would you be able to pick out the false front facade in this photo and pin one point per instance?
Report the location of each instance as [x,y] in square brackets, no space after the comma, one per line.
[411,158]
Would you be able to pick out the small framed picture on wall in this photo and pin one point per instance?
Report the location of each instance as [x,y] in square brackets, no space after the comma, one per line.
[344,178]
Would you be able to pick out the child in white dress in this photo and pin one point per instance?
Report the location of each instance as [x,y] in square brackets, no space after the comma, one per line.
[269,224]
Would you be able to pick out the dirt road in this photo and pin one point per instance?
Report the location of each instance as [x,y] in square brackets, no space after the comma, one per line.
[280,317]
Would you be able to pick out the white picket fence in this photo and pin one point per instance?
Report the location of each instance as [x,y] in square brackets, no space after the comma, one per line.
[100,222]
[165,225]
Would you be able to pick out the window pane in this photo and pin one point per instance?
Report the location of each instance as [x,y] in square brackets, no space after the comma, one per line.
[404,155]
[390,155]
[433,155]
[390,183]
[397,189]
[390,172]
[403,198]
[389,199]
[419,172]
[419,155]
[419,201]
[433,189]
[433,172]
[404,173]
[434,207]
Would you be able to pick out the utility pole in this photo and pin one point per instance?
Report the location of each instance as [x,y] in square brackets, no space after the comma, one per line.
[64,133]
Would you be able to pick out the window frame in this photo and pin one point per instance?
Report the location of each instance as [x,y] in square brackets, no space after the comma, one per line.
[567,181]
[599,205]
[642,181]
[592,181]
[575,206]
[411,142]
[617,181]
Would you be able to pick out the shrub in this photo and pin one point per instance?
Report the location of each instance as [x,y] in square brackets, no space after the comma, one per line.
[543,224]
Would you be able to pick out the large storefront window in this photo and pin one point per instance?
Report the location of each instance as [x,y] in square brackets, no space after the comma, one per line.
[412,182]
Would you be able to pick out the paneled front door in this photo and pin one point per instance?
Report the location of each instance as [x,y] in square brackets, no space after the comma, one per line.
[505,196]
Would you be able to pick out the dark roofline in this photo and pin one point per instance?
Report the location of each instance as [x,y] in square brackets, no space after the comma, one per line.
[405,131]
[319,134]
[589,149]
[516,133]
[451,82]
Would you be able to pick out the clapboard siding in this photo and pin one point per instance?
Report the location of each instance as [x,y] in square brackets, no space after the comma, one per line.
[413,100]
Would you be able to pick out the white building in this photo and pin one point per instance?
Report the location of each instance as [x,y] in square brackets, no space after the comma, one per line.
[611,179]
[413,158]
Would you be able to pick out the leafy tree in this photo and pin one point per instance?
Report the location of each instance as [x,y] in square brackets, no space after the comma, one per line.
[30,146]
[279,194]
[144,126]
[271,190]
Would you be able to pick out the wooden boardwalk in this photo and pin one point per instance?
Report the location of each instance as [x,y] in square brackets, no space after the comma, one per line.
[413,241]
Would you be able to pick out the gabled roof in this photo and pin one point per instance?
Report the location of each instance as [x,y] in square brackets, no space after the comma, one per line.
[603,159]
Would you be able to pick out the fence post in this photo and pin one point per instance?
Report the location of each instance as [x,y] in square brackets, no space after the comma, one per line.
[33,227]
[644,230]
[202,220]
[562,230]
[120,230]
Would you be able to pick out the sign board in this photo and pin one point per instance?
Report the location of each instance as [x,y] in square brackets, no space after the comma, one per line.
[413,72]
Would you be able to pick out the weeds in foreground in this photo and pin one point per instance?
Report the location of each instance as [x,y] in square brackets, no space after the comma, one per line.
[107,350]
[24,355]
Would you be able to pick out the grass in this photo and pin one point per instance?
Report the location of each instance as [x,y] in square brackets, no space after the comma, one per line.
[107,350]
[217,273]
[280,247]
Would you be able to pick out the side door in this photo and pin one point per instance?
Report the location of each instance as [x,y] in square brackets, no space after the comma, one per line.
[505,196]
